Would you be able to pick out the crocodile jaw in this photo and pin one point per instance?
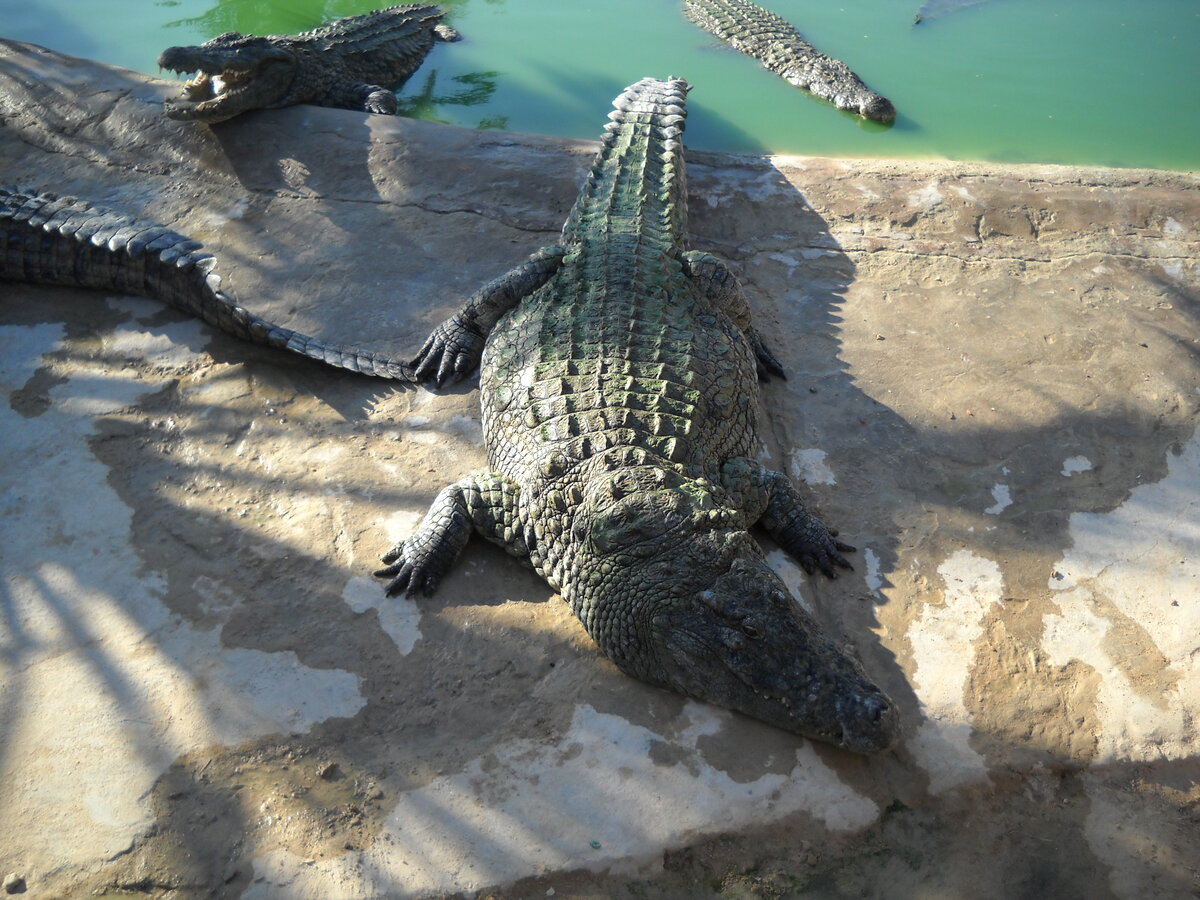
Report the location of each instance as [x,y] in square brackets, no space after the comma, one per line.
[821,694]
[743,643]
[227,83]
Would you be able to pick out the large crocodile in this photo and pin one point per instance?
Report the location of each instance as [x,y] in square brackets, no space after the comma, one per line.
[619,392]
[777,44]
[352,63]
[47,239]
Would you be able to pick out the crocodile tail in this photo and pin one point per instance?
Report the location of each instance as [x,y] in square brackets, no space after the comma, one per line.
[47,239]
[638,179]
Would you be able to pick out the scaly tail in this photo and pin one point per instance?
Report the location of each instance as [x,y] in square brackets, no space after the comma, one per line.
[641,153]
[48,239]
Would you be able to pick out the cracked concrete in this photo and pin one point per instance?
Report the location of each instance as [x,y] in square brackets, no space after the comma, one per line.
[992,392]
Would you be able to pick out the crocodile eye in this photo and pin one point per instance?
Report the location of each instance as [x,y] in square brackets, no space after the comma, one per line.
[750,630]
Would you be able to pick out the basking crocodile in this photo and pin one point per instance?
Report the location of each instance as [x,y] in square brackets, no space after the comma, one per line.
[351,63]
[780,47]
[47,239]
[619,390]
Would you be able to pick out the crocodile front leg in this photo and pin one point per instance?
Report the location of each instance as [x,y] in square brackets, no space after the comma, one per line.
[370,98]
[487,504]
[456,345]
[769,498]
[720,287]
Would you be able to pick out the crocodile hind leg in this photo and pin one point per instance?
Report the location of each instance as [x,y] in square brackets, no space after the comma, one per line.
[720,287]
[770,499]
[487,504]
[456,345]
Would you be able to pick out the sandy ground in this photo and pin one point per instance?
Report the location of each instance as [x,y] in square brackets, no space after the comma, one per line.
[993,392]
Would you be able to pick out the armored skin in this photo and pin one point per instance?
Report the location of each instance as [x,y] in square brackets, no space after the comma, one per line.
[353,63]
[47,239]
[619,381]
[777,44]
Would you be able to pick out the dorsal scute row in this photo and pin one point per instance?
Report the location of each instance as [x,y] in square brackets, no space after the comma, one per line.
[361,33]
[638,175]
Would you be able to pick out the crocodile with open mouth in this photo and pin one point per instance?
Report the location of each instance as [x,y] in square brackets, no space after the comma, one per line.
[353,63]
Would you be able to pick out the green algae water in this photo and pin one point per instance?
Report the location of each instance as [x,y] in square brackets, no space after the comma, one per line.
[1070,81]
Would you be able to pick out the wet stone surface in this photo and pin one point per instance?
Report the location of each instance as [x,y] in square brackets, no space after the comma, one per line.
[992,392]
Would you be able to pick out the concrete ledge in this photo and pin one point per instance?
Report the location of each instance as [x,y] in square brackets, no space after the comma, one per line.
[992,392]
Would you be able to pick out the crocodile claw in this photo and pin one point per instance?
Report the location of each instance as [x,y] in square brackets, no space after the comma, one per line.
[765,362]
[400,573]
[406,577]
[381,101]
[449,354]
[824,556]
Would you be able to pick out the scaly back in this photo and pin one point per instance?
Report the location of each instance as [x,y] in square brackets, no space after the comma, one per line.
[383,46]
[637,184]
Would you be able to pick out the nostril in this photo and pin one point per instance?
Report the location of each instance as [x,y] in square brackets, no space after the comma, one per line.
[875,708]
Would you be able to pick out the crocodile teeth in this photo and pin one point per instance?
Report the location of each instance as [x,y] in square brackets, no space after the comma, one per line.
[197,88]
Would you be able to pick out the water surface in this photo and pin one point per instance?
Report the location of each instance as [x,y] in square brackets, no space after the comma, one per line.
[1072,81]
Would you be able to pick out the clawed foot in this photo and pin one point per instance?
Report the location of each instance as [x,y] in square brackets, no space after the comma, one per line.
[450,353]
[381,102]
[820,549]
[406,577]
[765,361]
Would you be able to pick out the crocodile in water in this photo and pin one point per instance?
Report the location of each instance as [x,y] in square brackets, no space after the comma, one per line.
[352,63]
[619,382]
[47,239]
[776,43]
